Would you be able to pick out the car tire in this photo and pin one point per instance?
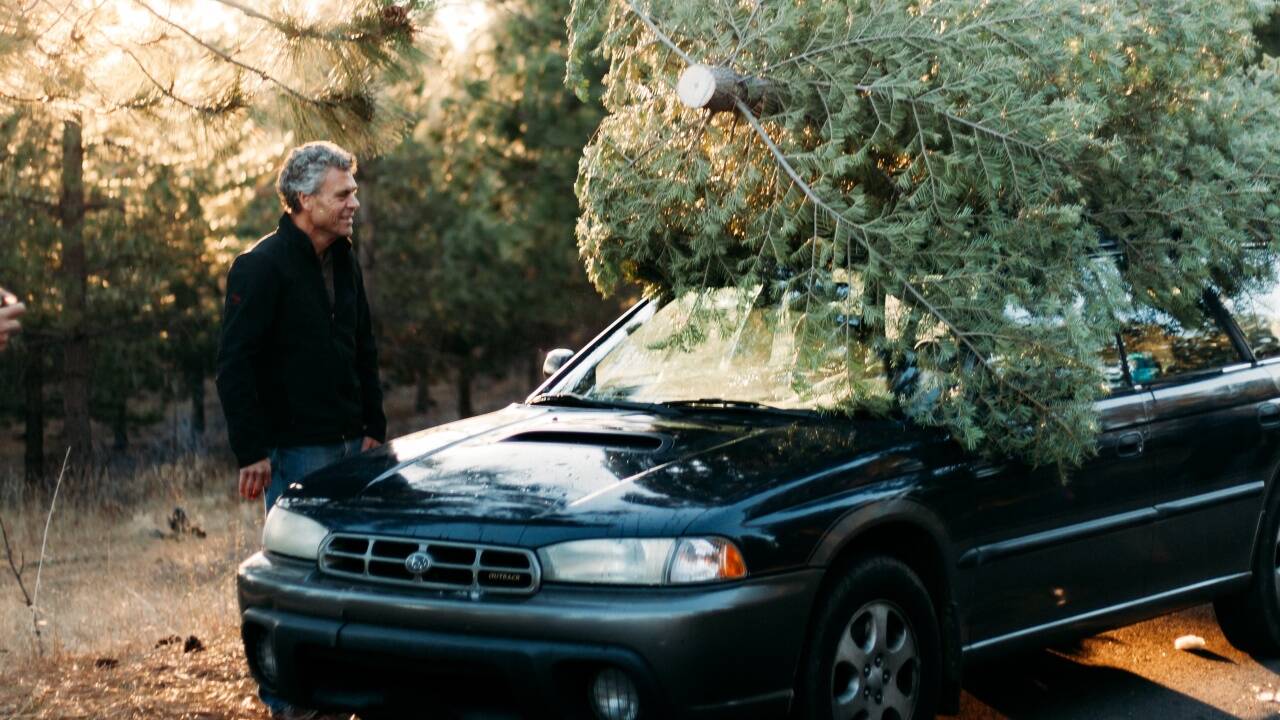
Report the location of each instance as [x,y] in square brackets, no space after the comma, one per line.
[874,650]
[1250,619]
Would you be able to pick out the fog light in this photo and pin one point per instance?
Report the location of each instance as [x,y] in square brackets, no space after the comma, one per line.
[614,696]
[266,656]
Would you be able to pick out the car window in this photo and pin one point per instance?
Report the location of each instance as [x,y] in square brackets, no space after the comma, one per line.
[1159,348]
[1112,369]
[1256,309]
[721,344]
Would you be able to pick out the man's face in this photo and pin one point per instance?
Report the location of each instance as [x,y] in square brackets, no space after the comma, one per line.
[332,209]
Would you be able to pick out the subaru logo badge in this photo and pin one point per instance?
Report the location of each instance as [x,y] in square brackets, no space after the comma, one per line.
[418,563]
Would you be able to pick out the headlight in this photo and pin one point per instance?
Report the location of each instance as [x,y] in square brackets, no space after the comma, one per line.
[643,561]
[288,533]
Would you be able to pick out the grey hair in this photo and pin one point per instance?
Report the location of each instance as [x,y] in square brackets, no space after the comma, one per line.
[306,167]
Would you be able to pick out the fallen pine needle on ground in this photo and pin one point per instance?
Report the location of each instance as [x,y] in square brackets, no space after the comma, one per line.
[164,682]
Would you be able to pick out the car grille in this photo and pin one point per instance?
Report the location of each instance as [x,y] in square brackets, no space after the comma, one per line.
[447,565]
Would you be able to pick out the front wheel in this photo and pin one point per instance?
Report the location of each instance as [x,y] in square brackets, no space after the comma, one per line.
[1250,619]
[875,650]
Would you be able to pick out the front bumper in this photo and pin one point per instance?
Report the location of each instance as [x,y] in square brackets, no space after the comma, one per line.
[723,651]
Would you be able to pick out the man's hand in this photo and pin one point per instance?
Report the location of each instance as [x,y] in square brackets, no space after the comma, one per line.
[254,479]
[368,444]
[10,311]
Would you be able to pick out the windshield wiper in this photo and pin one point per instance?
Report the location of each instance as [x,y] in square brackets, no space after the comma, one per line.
[724,404]
[576,400]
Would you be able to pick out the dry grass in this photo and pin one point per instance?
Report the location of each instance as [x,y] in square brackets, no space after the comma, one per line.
[112,576]
[149,684]
[117,580]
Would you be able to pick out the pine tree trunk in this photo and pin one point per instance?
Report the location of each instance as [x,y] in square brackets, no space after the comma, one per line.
[77,432]
[464,393]
[195,381]
[120,426]
[533,370]
[422,401]
[366,252]
[33,385]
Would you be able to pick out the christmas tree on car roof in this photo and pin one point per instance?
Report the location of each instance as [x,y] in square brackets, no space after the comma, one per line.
[935,182]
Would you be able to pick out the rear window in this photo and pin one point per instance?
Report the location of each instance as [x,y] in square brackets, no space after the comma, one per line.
[1257,312]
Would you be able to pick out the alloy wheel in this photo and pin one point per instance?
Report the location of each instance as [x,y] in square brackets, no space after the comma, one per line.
[876,672]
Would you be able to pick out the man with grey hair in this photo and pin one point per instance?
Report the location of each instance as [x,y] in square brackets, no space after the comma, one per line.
[297,366]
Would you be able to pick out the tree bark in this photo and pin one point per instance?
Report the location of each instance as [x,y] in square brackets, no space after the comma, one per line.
[120,426]
[195,382]
[366,252]
[465,409]
[33,385]
[422,401]
[77,431]
[533,368]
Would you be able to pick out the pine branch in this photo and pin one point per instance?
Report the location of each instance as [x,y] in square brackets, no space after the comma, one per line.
[293,31]
[207,110]
[909,287]
[220,54]
[862,237]
[662,37]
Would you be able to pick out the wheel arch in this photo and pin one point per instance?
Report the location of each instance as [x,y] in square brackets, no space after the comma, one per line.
[1270,505]
[913,535]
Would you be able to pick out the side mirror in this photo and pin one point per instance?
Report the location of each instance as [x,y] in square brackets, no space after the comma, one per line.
[555,360]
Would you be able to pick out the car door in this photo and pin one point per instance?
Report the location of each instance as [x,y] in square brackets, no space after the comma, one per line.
[1212,443]
[1047,547]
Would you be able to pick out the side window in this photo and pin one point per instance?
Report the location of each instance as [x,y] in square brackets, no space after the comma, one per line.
[1160,349]
[1112,369]
[1257,312]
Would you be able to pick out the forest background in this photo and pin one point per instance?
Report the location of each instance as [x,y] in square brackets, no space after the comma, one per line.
[138,146]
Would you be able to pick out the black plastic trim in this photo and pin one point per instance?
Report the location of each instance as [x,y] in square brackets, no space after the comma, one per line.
[1157,599]
[1209,499]
[986,553]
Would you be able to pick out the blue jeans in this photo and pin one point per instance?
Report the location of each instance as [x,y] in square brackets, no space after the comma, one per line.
[291,464]
[288,465]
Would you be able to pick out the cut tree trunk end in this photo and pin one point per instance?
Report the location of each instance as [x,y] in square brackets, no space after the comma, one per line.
[716,88]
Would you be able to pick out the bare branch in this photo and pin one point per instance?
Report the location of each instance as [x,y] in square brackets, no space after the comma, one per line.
[25,200]
[44,542]
[660,35]
[14,566]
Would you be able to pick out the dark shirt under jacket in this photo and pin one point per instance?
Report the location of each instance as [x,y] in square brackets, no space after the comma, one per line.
[294,368]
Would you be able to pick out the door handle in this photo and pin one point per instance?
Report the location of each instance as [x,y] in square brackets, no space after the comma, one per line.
[1131,444]
[1269,415]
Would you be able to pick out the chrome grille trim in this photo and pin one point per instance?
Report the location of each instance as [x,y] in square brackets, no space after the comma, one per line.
[470,567]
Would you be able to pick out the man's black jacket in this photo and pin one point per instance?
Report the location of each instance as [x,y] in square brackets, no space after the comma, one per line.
[291,369]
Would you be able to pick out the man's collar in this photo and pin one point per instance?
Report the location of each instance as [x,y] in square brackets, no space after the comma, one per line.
[302,240]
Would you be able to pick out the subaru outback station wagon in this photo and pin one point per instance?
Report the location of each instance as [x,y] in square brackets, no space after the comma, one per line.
[662,532]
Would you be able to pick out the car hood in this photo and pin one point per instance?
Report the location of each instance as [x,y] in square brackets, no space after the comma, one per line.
[539,466]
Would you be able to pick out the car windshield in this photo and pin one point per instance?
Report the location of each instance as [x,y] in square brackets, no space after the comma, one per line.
[724,346]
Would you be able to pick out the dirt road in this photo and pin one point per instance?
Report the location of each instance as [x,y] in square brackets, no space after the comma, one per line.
[1133,672]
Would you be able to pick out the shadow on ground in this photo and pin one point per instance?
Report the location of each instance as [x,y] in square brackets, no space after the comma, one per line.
[1048,684]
